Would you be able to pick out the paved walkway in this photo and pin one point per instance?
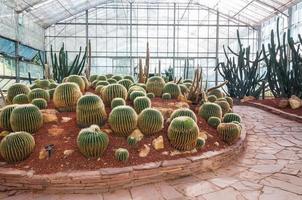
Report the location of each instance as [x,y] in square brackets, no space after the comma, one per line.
[271,168]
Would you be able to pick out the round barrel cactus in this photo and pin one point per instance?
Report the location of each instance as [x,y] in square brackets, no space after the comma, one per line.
[131,141]
[44,83]
[173,89]
[150,95]
[26,117]
[102,83]
[230,101]
[15,89]
[53,86]
[150,121]
[231,117]
[183,133]
[121,154]
[214,121]
[78,80]
[40,103]
[166,96]
[98,89]
[117,77]
[135,88]
[20,99]
[5,117]
[51,92]
[111,81]
[183,88]
[86,82]
[136,94]
[17,146]
[188,85]
[113,91]
[117,102]
[141,103]
[225,106]
[90,110]
[66,96]
[101,78]
[229,132]
[123,120]
[93,77]
[183,112]
[109,75]
[200,142]
[128,77]
[125,82]
[187,81]
[155,85]
[93,83]
[216,92]
[209,109]
[212,98]
[92,142]
[38,93]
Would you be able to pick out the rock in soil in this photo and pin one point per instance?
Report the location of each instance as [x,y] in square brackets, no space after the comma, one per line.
[295,102]
[203,134]
[43,154]
[66,119]
[283,103]
[54,131]
[68,153]
[137,134]
[144,151]
[49,115]
[158,143]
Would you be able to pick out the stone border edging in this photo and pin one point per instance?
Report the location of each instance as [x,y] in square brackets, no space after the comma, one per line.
[276,111]
[110,179]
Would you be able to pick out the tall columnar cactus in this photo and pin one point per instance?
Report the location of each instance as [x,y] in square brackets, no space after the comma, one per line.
[155,85]
[230,101]
[127,77]
[20,99]
[183,112]
[121,154]
[208,110]
[40,103]
[231,117]
[15,89]
[126,83]
[173,89]
[212,98]
[166,96]
[183,133]
[150,121]
[78,80]
[123,120]
[66,96]
[225,106]
[26,117]
[117,77]
[216,92]
[113,91]
[5,117]
[17,146]
[93,77]
[117,102]
[38,93]
[141,103]
[214,121]
[90,110]
[92,142]
[229,132]
[136,94]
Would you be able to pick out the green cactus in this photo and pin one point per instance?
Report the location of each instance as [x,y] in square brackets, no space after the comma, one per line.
[183,112]
[98,89]
[225,106]
[173,89]
[5,117]
[111,81]
[26,117]
[104,83]
[113,91]
[117,77]
[78,80]
[123,120]
[141,103]
[121,154]
[51,92]
[66,96]
[92,142]
[209,109]
[109,75]
[38,93]
[93,84]
[127,77]
[150,95]
[126,83]
[212,98]
[117,102]
[150,121]
[136,94]
[183,133]
[90,110]
[44,83]
[230,117]
[15,89]
[40,103]
[216,92]
[166,96]
[93,77]
[101,78]
[200,142]
[230,101]
[183,88]
[188,85]
[238,123]
[20,99]
[17,146]
[188,81]
[53,86]
[214,121]
[229,132]
[155,85]
[135,88]
[86,82]
[131,141]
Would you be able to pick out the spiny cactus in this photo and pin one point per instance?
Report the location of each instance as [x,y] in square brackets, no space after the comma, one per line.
[98,89]
[93,83]
[212,98]
[150,95]
[209,109]
[188,85]
[238,123]
[111,81]
[183,112]
[117,102]
[155,85]
[92,142]
[183,88]
[225,106]
[15,89]
[141,103]
[86,82]
[40,103]
[90,110]
[188,81]
[173,89]
[20,99]
[229,132]
[127,77]
[135,88]
[109,75]
[216,92]
[200,142]
[51,92]
[44,83]
[123,120]
[121,154]
[214,121]
[104,83]
[26,117]
[125,82]
[53,86]
[78,80]
[166,96]
[183,133]
[150,121]
[131,141]
[230,117]
[17,146]
[136,94]
[38,93]
[101,78]
[93,77]
[66,96]
[5,117]
[117,77]
[113,91]
[230,101]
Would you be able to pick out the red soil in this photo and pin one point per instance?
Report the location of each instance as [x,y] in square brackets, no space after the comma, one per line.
[76,161]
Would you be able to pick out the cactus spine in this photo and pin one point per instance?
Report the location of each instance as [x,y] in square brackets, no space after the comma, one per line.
[141,103]
[208,110]
[229,132]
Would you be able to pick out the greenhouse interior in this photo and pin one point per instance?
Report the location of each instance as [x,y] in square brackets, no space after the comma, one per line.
[151,100]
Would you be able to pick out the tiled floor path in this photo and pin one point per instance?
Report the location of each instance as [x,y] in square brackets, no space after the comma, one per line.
[271,168]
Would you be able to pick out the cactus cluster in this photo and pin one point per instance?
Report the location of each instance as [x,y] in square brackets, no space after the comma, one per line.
[15,89]
[117,102]
[229,132]
[5,117]
[78,80]
[150,121]
[231,117]
[113,91]
[17,146]
[141,103]
[173,89]
[38,93]
[155,85]
[20,99]
[121,154]
[209,109]
[40,103]
[183,112]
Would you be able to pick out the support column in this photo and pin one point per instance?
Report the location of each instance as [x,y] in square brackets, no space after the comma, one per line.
[217,46]
[17,49]
[131,60]
[174,22]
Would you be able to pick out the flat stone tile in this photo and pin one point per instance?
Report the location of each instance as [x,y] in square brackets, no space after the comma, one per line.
[197,188]
[223,181]
[117,195]
[270,193]
[225,194]
[167,191]
[145,192]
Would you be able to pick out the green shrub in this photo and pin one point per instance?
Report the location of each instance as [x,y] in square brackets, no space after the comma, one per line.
[209,109]
[15,89]
[155,85]
[113,91]
[121,154]
[173,89]
[117,102]
[183,112]
[229,132]
[150,121]
[141,103]
[20,99]
[5,117]
[214,121]
[40,103]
